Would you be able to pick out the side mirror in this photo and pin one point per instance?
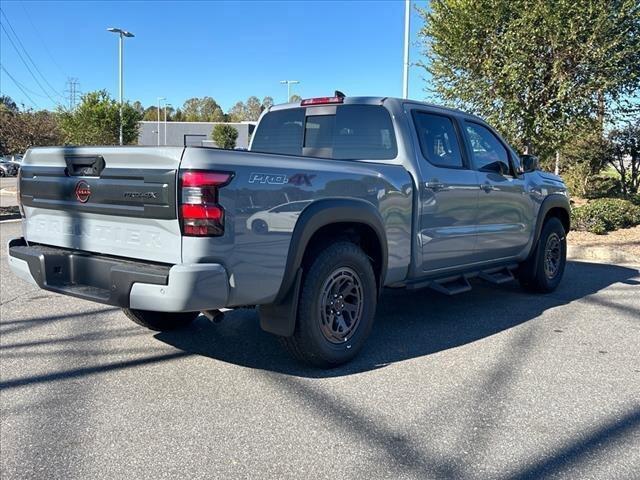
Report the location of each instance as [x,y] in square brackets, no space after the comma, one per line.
[529,163]
[496,167]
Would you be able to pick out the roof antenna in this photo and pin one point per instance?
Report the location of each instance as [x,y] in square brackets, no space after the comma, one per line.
[339,94]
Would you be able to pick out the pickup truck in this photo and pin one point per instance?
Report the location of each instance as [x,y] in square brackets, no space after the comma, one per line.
[336,198]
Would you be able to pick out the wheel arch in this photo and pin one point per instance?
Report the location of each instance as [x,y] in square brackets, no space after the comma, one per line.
[555,205]
[326,219]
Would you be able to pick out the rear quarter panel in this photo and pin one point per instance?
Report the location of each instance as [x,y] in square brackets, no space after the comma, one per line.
[255,257]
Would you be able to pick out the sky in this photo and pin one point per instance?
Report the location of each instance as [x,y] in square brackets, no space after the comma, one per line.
[226,50]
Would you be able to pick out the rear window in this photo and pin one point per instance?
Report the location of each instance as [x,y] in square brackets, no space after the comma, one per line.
[280,132]
[354,132]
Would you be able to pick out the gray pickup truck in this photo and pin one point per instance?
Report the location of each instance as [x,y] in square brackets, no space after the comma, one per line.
[337,198]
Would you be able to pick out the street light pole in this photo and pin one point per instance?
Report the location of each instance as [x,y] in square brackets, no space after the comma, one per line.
[289,83]
[159,98]
[121,34]
[405,79]
[165,121]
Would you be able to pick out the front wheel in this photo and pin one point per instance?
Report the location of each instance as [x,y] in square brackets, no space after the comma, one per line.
[543,270]
[336,308]
[160,321]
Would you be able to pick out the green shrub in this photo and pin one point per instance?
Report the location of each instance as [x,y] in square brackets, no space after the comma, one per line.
[605,215]
[225,136]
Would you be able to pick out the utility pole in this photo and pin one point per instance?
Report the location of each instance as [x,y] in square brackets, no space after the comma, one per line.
[288,83]
[121,33]
[165,121]
[159,98]
[405,79]
[72,91]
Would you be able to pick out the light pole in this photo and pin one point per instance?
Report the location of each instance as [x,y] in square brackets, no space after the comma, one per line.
[165,121]
[288,83]
[121,33]
[159,98]
[405,79]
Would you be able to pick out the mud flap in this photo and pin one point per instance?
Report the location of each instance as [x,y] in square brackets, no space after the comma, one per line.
[280,318]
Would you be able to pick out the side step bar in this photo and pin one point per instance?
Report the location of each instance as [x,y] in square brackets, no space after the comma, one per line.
[451,286]
[498,277]
[460,283]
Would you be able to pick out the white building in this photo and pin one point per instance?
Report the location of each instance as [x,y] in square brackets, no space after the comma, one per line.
[189,133]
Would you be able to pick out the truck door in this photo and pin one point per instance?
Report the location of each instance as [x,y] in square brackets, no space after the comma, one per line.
[504,209]
[448,192]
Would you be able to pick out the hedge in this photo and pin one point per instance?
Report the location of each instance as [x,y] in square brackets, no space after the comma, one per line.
[605,215]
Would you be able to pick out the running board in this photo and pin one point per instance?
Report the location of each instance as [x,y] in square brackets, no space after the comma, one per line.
[451,286]
[498,277]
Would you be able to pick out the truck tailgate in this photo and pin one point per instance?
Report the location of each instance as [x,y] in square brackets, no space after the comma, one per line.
[112,200]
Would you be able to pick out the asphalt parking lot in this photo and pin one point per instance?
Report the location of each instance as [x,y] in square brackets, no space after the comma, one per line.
[494,383]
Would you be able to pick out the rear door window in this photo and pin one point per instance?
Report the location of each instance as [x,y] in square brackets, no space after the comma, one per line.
[438,140]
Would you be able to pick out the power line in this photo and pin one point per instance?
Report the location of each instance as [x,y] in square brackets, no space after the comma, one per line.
[27,65]
[44,44]
[29,57]
[19,86]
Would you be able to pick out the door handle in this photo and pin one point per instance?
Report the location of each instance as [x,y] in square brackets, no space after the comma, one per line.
[487,187]
[434,185]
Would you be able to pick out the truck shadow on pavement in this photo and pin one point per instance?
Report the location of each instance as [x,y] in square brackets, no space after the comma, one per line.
[408,324]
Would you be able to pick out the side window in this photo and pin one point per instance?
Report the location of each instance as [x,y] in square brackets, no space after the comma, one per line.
[438,140]
[486,147]
[363,132]
[280,132]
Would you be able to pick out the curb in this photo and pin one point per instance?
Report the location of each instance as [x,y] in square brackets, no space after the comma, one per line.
[601,254]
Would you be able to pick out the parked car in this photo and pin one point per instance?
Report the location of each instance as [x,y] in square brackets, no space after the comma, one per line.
[399,194]
[8,168]
[281,218]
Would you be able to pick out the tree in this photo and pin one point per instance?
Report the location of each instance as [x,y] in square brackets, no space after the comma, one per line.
[625,157]
[238,112]
[204,109]
[224,136]
[253,108]
[210,111]
[137,106]
[7,102]
[267,103]
[533,69]
[295,98]
[96,121]
[22,130]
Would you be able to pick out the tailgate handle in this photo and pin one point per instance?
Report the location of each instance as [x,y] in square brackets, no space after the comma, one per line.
[84,165]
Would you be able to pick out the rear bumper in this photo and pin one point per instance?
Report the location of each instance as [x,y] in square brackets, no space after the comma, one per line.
[119,282]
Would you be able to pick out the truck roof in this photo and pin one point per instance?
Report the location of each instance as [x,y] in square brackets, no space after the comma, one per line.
[380,101]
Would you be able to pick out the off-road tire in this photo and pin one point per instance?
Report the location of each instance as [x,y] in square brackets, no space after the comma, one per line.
[309,344]
[532,274]
[160,321]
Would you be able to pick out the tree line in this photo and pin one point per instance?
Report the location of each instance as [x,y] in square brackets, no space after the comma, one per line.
[96,120]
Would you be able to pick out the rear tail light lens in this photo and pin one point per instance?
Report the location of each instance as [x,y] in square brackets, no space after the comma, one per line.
[200,213]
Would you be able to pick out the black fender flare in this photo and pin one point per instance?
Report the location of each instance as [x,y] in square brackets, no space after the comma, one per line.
[280,316]
[555,200]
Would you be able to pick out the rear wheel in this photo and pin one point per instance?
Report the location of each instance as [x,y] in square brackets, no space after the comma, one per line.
[160,321]
[259,226]
[543,270]
[336,308]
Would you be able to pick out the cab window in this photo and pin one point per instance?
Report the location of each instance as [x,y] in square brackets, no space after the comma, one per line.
[438,140]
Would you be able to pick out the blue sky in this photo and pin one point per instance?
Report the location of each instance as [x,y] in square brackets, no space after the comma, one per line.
[227,50]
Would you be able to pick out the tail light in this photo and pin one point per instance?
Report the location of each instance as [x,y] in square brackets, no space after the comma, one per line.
[200,213]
